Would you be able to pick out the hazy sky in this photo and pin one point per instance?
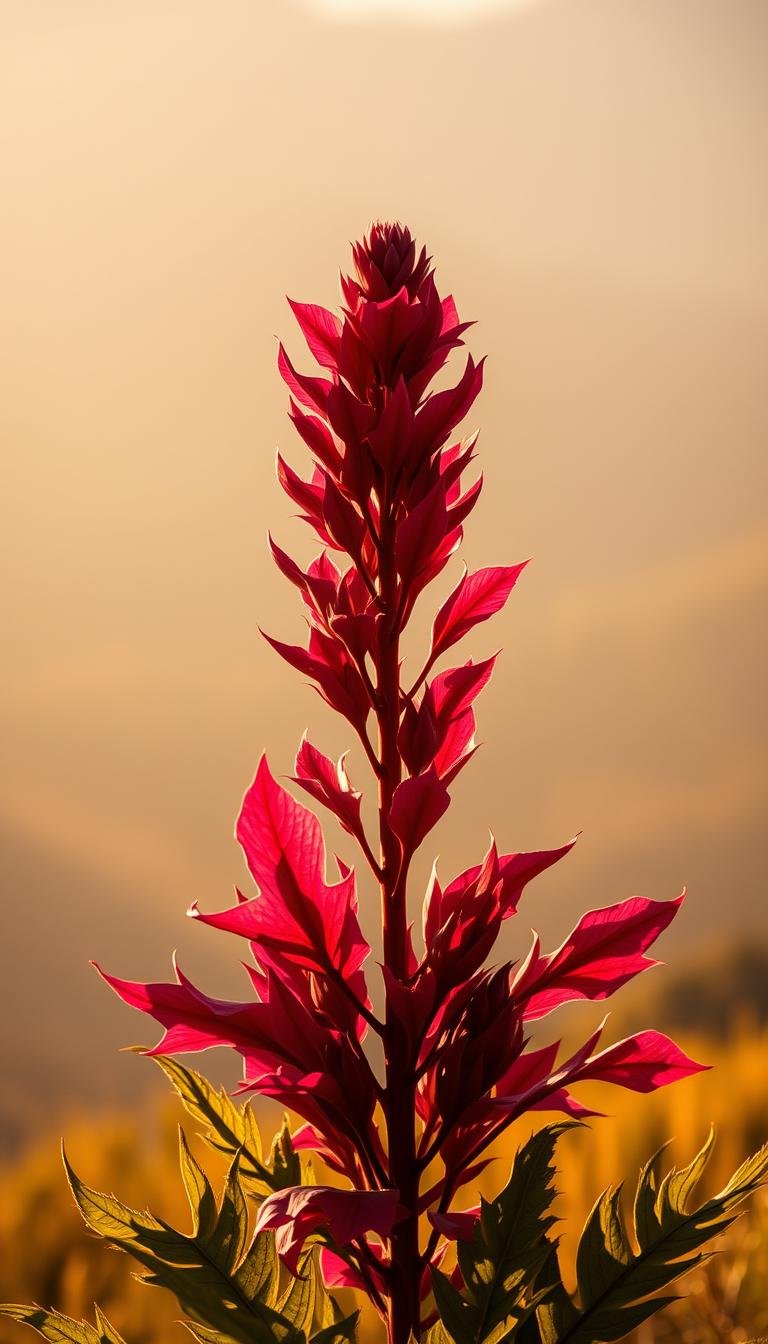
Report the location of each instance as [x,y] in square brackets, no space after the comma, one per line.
[592,178]
[433,12]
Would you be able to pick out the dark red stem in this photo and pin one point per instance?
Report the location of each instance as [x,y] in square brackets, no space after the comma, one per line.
[399,1100]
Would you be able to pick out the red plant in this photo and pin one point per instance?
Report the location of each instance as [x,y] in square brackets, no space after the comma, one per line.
[387,498]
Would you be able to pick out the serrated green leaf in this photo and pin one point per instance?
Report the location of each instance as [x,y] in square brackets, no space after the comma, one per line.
[341,1331]
[644,1213]
[297,1304]
[436,1334]
[60,1329]
[204,1335]
[109,1217]
[202,1270]
[455,1312]
[284,1161]
[228,1239]
[229,1128]
[328,1316]
[678,1186]
[603,1249]
[616,1284]
[199,1193]
[328,1311]
[259,1274]
[105,1329]
[502,1263]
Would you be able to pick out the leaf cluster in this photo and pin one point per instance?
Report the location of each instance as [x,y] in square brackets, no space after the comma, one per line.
[228,1283]
[513,1289]
[508,1288]
[229,1129]
[501,1266]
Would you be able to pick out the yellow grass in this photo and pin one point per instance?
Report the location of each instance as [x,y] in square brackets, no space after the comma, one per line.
[46,1256]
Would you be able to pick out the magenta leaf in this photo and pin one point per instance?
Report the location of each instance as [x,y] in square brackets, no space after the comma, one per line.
[191,1019]
[641,1063]
[321,330]
[296,910]
[476,597]
[329,784]
[311,392]
[344,1215]
[417,806]
[605,949]
[317,437]
[444,410]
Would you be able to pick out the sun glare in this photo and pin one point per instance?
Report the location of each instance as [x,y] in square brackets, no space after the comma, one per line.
[415,11]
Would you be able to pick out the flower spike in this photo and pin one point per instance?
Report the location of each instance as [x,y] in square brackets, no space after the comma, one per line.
[388,492]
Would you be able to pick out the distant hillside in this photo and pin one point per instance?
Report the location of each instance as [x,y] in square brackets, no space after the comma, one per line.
[714,991]
[62,1031]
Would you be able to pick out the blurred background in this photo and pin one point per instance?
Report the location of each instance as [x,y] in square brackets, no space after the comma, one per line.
[591,177]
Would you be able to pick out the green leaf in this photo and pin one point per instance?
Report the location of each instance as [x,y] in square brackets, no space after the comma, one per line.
[331,1325]
[455,1312]
[503,1262]
[62,1329]
[206,1336]
[228,1293]
[228,1238]
[436,1334]
[297,1303]
[616,1283]
[199,1193]
[258,1275]
[229,1128]
[340,1331]
[284,1161]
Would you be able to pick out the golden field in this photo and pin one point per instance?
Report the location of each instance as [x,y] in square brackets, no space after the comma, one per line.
[46,1255]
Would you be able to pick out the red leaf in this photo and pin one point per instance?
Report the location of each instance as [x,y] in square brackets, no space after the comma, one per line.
[342,520]
[512,874]
[476,597]
[321,330]
[296,911]
[603,951]
[457,746]
[294,1214]
[417,806]
[641,1063]
[191,1019]
[421,533]
[454,690]
[312,392]
[317,437]
[307,494]
[287,565]
[328,783]
[390,441]
[457,1226]
[444,410]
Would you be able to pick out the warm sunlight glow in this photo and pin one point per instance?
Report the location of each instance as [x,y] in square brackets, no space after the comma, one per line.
[413,11]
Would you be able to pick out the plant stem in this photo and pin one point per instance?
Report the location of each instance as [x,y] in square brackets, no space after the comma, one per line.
[399,1100]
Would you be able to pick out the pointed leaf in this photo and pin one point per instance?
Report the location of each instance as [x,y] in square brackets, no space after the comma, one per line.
[338,1332]
[297,1303]
[502,1264]
[202,1270]
[476,597]
[60,1329]
[199,1193]
[321,330]
[229,1128]
[417,805]
[616,1284]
